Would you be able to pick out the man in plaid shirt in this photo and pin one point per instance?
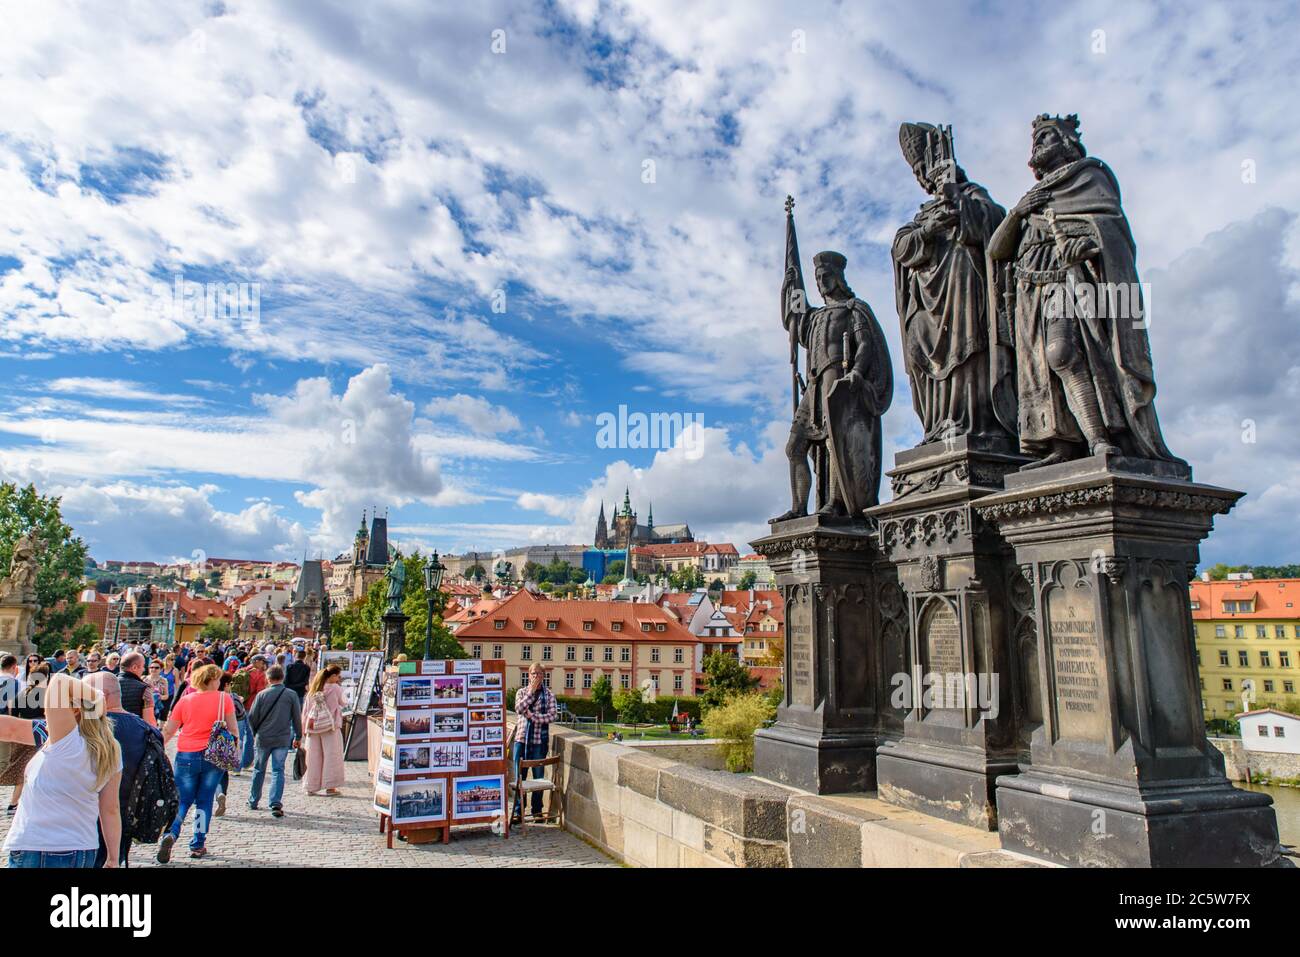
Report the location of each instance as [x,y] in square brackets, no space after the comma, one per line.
[536,708]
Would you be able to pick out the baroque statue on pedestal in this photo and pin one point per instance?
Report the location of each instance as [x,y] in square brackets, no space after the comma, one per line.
[1063,270]
[847,388]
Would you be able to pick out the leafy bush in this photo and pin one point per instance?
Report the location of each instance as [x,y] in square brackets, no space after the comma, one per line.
[658,712]
[734,722]
[631,706]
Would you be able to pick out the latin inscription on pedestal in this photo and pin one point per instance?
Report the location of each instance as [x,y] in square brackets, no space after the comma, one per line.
[799,633]
[942,643]
[1078,666]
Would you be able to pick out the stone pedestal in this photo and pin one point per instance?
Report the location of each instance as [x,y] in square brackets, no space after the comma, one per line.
[961,690]
[1120,773]
[17,626]
[825,736]
[394,636]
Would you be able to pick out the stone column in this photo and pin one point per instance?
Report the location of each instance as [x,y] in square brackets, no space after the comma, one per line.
[825,735]
[17,627]
[394,635]
[960,689]
[1120,771]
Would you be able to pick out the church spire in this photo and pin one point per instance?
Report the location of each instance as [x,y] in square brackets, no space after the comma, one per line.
[650,519]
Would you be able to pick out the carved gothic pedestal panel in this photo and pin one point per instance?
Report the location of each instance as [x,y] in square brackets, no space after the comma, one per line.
[394,636]
[1120,772]
[826,732]
[961,686]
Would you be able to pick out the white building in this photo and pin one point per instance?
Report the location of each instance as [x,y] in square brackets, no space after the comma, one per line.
[1270,730]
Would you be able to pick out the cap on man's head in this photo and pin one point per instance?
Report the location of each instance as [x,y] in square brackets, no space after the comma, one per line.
[830,258]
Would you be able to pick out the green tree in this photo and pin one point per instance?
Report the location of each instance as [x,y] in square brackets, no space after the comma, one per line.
[84,635]
[58,576]
[476,572]
[415,606]
[717,585]
[215,631]
[602,694]
[631,706]
[347,625]
[534,572]
[733,722]
[688,578]
[748,580]
[725,677]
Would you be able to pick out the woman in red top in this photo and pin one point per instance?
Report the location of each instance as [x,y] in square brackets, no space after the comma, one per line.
[197,778]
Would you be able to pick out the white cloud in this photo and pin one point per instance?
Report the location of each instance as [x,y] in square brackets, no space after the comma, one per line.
[474,412]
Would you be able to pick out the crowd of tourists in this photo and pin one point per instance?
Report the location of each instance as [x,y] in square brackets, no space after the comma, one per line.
[115,745]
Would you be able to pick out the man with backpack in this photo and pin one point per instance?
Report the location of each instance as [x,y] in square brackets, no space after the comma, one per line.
[147,795]
[276,723]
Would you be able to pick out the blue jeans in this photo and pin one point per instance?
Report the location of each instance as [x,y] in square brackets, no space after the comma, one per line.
[196,785]
[53,858]
[246,745]
[530,752]
[276,756]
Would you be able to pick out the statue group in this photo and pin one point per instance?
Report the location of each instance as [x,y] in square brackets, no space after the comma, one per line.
[1007,641]
[1008,323]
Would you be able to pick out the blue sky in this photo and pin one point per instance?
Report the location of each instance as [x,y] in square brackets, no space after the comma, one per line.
[382,173]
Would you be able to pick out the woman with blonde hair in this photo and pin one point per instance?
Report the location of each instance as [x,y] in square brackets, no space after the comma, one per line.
[191,723]
[323,728]
[71,783]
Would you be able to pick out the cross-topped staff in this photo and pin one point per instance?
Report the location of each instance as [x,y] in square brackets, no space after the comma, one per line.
[793,282]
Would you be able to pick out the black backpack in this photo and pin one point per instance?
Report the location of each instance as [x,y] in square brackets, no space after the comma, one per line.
[153,802]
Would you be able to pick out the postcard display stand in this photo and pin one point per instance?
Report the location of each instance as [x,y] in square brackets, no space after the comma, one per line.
[443,755]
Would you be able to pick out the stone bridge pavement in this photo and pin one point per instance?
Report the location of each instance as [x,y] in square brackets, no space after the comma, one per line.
[343,831]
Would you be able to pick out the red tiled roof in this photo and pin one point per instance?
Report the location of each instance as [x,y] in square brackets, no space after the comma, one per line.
[569,617]
[1274,598]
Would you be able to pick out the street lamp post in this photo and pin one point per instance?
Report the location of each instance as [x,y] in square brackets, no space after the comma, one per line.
[433,570]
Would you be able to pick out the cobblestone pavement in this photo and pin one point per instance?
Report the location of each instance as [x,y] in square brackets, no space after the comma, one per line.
[343,831]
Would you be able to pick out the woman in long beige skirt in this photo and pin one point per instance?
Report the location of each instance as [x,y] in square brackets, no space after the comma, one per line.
[323,724]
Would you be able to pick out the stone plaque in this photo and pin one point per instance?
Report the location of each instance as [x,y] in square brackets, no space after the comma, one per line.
[942,644]
[799,634]
[1082,701]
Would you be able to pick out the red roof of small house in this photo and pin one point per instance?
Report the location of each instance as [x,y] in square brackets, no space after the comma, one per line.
[569,618]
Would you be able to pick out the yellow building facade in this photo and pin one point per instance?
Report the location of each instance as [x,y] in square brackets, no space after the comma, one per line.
[1247,631]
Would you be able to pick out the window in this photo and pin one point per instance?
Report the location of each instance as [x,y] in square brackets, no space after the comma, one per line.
[645,626]
[616,626]
[1264,661]
[1279,631]
[499,625]
[608,654]
[654,655]
[677,682]
[546,652]
[1238,631]
[552,625]
[477,651]
[1227,684]
[498,651]
[1261,631]
[523,677]
[1242,659]
[569,653]
[529,624]
[1268,685]
[654,681]
[586,679]
[546,679]
[586,653]
[660,626]
[625,655]
[1263,731]
[677,656]
[1288,687]
[527,653]
[1223,659]
[1284,659]
[568,680]
[1220,631]
[624,681]
[1297,631]
[1279,731]
[586,626]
